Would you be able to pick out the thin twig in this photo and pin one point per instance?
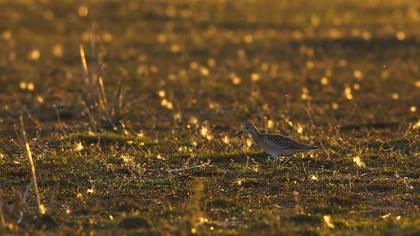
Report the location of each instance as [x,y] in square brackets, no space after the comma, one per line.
[34,180]
[189,168]
[2,220]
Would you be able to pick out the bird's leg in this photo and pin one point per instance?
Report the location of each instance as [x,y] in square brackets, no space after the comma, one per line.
[275,165]
[304,169]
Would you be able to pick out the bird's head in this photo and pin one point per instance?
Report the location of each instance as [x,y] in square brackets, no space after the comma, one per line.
[248,129]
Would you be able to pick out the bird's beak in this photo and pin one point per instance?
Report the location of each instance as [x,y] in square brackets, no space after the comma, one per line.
[239,133]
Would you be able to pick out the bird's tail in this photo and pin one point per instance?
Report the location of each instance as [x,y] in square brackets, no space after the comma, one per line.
[313,147]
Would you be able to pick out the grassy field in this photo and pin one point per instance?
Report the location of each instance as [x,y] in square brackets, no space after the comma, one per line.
[130,110]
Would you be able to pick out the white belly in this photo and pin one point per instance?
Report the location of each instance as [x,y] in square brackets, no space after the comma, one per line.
[276,151]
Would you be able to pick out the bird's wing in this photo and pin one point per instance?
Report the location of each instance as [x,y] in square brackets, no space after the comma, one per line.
[287,143]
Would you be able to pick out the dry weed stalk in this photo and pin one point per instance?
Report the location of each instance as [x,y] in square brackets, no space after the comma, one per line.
[41,208]
[2,220]
[94,96]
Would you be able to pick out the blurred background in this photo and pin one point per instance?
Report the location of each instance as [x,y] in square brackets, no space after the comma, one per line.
[130,108]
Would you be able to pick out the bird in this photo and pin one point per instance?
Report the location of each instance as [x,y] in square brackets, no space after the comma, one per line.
[276,145]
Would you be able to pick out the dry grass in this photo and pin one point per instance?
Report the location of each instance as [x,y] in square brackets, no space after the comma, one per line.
[131,110]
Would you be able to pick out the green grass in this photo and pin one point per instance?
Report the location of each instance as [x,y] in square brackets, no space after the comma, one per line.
[192,74]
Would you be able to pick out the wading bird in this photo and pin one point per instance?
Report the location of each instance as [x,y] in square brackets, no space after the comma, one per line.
[276,145]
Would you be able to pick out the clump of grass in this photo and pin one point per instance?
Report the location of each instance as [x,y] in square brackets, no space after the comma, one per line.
[101,111]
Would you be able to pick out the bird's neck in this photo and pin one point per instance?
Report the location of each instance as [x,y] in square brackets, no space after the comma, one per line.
[255,133]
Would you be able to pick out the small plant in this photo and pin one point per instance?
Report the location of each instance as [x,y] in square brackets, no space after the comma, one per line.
[101,112]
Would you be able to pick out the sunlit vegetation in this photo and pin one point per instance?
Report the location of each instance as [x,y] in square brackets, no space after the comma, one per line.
[129,111]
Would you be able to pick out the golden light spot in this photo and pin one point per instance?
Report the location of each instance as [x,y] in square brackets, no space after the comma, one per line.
[358,74]
[297,35]
[313,177]
[140,134]
[387,215]
[413,108]
[315,20]
[395,96]
[86,36]
[193,120]
[366,35]
[358,161]
[417,84]
[310,64]
[269,124]
[417,124]
[204,131]
[23,85]
[255,77]
[324,81]
[57,50]
[35,55]
[161,38]
[166,103]
[328,72]
[310,52]
[334,106]
[385,74]
[400,35]
[163,102]
[194,65]
[204,71]
[248,142]
[211,62]
[90,190]
[7,35]
[68,211]
[177,116]
[154,69]
[264,67]
[299,129]
[347,93]
[107,37]
[193,230]
[161,93]
[175,48]
[171,77]
[235,79]
[39,99]
[356,86]
[171,11]
[78,147]
[30,86]
[42,209]
[305,94]
[328,221]
[241,53]
[159,157]
[248,39]
[226,139]
[342,63]
[83,11]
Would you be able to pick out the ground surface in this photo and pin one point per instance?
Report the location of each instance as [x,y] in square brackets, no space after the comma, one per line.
[341,74]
